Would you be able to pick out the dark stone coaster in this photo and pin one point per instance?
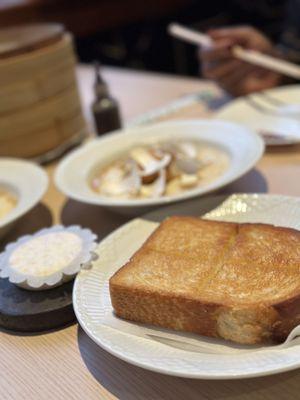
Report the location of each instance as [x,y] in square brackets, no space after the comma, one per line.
[33,311]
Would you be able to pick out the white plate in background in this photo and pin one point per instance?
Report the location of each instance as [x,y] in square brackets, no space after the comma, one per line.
[286,122]
[27,181]
[91,302]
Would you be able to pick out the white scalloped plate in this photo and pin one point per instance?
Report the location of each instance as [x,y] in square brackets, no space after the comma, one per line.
[91,302]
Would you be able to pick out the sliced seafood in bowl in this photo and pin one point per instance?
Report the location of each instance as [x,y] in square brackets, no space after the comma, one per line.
[150,162]
[121,179]
[136,169]
[158,169]
[156,188]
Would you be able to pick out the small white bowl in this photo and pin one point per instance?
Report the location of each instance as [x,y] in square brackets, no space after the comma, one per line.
[243,146]
[27,182]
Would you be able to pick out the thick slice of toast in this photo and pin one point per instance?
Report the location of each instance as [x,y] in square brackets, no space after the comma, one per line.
[235,281]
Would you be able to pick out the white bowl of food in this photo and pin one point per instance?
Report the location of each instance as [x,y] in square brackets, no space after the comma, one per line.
[134,170]
[22,185]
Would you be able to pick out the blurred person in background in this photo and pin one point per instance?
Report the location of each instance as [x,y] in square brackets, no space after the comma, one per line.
[238,77]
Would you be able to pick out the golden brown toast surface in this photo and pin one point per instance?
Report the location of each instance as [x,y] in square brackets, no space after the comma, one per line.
[262,266]
[175,261]
[237,281]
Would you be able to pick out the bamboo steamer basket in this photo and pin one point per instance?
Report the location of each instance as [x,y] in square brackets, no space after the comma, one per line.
[40,110]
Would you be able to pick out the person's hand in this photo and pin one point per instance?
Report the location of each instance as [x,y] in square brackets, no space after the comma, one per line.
[235,76]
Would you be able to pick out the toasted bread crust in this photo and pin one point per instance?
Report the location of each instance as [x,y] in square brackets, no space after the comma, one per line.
[157,299]
[158,309]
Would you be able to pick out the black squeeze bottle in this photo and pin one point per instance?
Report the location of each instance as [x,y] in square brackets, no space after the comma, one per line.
[105,108]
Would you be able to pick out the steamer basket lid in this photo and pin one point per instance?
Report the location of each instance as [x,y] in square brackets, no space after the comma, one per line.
[25,38]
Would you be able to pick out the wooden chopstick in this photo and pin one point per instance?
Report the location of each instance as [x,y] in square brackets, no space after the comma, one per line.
[251,56]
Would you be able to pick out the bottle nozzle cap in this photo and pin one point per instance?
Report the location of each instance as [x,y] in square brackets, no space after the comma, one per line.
[100,85]
[97,72]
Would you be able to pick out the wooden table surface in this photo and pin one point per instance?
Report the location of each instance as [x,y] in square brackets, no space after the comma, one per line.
[66,364]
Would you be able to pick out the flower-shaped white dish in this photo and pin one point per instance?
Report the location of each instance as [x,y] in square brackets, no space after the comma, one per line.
[243,147]
[48,258]
[26,182]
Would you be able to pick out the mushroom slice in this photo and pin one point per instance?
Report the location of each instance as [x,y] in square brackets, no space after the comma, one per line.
[121,179]
[180,148]
[156,188]
[173,171]
[150,162]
